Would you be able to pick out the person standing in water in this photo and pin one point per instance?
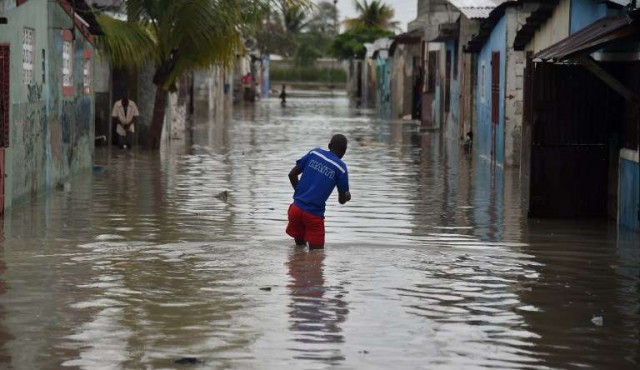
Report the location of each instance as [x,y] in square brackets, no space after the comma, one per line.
[124,113]
[321,171]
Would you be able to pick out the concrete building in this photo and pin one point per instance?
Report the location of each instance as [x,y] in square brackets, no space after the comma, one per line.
[460,77]
[407,75]
[47,94]
[499,93]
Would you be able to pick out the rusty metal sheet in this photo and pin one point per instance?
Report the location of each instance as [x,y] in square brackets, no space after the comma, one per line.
[589,39]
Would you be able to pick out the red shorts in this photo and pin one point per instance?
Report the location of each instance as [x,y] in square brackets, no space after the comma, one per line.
[303,225]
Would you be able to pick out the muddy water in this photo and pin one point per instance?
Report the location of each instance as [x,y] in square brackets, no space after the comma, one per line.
[182,255]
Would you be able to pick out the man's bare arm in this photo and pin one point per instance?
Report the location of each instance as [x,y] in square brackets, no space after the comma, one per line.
[344,197]
[293,176]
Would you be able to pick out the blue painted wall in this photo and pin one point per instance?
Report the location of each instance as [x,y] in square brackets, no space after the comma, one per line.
[628,195]
[454,94]
[482,133]
[585,12]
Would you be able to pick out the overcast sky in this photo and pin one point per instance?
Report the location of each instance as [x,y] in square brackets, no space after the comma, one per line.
[406,10]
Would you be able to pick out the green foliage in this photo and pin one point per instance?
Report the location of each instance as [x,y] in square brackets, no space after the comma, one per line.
[294,31]
[350,44]
[309,74]
[180,36]
[310,47]
[375,14]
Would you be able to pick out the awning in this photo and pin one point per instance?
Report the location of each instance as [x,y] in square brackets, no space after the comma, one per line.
[589,39]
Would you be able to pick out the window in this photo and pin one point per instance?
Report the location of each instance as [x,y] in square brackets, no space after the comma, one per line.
[44,69]
[86,76]
[28,41]
[67,63]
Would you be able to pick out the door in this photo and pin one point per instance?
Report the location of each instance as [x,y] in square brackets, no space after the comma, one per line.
[4,115]
[495,101]
[571,117]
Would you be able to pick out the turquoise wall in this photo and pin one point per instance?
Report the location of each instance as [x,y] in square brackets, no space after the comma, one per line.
[51,136]
[628,199]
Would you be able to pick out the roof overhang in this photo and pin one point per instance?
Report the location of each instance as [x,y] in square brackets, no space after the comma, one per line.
[407,38]
[537,18]
[589,39]
[447,32]
[83,18]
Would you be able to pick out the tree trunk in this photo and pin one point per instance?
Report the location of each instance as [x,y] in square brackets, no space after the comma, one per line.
[157,120]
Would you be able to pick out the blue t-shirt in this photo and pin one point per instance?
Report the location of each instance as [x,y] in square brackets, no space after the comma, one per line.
[321,172]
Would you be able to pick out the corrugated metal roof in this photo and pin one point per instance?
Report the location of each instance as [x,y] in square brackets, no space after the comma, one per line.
[589,39]
[476,9]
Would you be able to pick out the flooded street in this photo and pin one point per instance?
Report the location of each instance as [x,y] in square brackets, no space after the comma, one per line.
[433,264]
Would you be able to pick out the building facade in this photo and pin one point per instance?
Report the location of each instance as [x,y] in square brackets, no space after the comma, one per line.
[47,94]
[582,98]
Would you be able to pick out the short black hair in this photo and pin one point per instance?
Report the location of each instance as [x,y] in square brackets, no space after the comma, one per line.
[338,144]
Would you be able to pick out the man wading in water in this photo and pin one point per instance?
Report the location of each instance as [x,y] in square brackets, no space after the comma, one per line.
[321,172]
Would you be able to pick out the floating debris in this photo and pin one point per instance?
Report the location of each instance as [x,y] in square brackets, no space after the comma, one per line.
[189,361]
[223,196]
[266,288]
[597,320]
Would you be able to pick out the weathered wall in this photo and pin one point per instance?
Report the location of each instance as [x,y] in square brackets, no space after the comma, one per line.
[453,116]
[483,131]
[514,104]
[27,111]
[102,89]
[213,87]
[146,98]
[398,81]
[554,29]
[51,136]
[467,69]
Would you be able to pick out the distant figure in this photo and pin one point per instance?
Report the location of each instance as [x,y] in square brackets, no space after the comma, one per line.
[321,172]
[468,142]
[283,96]
[124,113]
[248,87]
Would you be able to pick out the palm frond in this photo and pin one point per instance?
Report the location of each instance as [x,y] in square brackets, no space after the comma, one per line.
[126,44]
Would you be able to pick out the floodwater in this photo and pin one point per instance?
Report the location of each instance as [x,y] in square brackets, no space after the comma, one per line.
[179,260]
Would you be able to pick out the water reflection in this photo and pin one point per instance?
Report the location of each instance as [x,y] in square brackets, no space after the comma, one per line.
[316,311]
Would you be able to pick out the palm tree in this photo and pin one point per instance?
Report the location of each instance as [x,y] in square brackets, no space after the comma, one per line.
[177,36]
[375,14]
[295,18]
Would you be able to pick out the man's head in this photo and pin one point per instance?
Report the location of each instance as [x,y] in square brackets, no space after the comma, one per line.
[338,145]
[125,95]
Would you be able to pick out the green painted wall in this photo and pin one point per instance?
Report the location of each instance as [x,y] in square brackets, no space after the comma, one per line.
[51,136]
